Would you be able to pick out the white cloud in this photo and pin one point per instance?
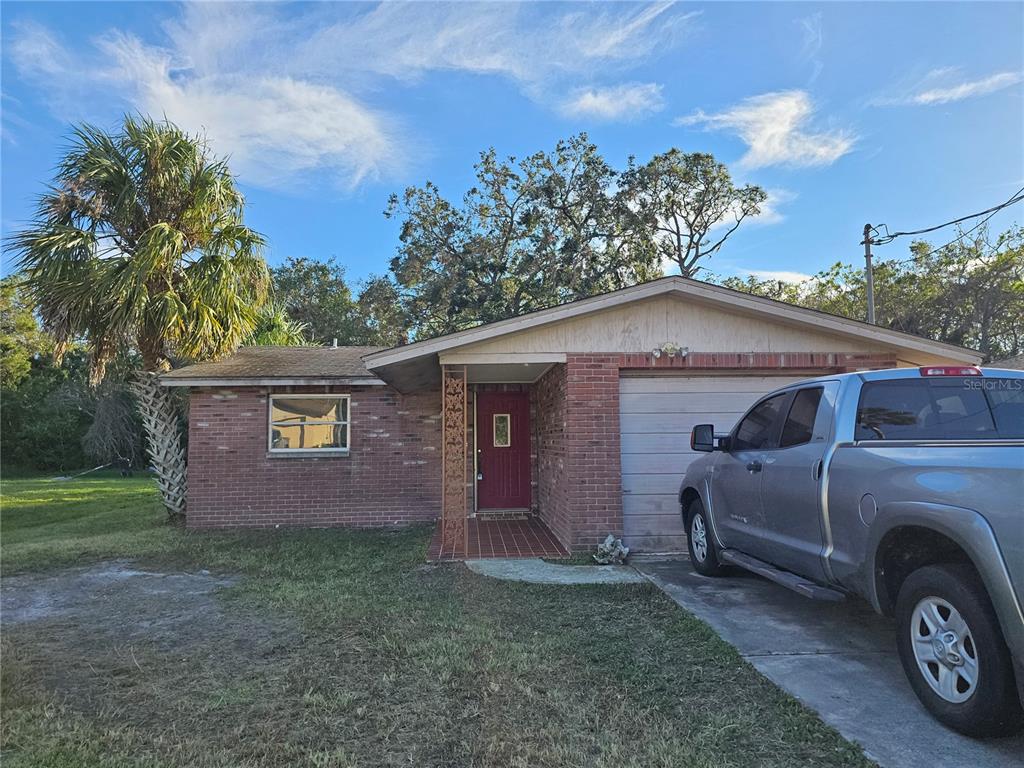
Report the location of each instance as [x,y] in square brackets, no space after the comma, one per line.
[813,39]
[286,91]
[274,128]
[775,128]
[947,85]
[630,101]
[771,208]
[780,274]
[969,89]
[36,50]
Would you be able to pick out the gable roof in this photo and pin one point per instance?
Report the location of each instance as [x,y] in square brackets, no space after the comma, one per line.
[279,365]
[696,290]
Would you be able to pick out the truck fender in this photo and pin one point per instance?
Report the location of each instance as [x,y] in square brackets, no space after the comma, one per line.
[968,530]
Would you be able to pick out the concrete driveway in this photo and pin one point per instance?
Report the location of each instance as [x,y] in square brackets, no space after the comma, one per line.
[837,658]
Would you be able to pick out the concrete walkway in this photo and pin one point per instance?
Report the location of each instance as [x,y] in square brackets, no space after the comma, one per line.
[837,658]
[537,571]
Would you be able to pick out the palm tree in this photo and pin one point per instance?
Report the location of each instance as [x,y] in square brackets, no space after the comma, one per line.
[274,328]
[140,244]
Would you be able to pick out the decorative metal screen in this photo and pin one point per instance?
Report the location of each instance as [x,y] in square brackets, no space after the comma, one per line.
[454,495]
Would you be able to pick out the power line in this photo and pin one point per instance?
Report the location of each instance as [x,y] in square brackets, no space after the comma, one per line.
[888,237]
[959,237]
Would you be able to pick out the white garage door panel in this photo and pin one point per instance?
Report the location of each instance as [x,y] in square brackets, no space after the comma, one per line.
[656,416]
[670,383]
[651,503]
[677,423]
[651,485]
[693,403]
[652,533]
[657,463]
[645,442]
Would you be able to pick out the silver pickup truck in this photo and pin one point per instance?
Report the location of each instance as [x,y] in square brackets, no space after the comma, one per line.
[904,487]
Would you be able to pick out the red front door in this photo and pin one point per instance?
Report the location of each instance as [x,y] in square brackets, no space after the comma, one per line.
[503,450]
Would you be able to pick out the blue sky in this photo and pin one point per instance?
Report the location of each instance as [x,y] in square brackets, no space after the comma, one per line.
[908,114]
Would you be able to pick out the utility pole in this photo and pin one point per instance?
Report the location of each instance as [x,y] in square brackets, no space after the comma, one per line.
[869,273]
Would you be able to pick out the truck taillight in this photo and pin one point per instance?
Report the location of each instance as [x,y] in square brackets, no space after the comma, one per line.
[950,370]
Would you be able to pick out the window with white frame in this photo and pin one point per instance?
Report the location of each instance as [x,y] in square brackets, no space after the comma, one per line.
[309,423]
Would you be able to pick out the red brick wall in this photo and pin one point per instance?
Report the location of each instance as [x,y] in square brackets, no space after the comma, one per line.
[391,476]
[592,447]
[552,494]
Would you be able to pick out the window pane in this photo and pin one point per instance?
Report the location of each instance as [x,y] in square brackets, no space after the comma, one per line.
[1007,399]
[502,432]
[800,422]
[303,409]
[953,408]
[308,436]
[962,409]
[896,410]
[757,428]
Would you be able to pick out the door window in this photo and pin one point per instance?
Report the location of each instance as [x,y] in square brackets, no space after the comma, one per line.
[757,430]
[502,430]
[799,424]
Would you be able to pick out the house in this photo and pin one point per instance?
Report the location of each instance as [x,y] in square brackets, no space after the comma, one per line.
[575,417]
[1013,363]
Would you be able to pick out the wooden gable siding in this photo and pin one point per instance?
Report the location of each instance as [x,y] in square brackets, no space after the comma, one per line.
[641,326]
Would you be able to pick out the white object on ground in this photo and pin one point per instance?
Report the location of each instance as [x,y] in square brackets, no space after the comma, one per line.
[537,571]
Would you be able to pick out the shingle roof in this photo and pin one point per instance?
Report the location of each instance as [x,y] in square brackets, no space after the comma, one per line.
[1016,363]
[279,363]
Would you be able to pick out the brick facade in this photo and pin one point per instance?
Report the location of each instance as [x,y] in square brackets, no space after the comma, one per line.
[554,502]
[580,482]
[392,475]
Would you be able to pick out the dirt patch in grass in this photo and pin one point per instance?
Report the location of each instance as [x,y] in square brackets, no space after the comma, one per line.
[340,648]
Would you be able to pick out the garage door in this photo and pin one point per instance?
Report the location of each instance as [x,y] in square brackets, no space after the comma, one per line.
[656,416]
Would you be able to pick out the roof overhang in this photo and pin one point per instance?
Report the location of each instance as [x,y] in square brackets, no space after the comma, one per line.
[273,381]
[416,366]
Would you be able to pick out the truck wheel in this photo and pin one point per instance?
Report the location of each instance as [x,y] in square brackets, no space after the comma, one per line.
[703,552]
[953,651]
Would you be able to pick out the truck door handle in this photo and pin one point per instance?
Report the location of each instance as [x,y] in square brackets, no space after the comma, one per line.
[754,466]
[816,469]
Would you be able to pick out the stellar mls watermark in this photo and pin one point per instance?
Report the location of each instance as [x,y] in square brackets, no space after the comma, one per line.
[995,385]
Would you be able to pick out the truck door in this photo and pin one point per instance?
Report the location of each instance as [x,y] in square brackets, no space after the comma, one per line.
[736,497]
[792,537]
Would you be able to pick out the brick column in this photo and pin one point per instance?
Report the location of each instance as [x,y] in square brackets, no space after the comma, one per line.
[593,469]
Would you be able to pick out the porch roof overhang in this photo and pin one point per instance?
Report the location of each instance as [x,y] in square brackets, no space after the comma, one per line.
[417,366]
[423,372]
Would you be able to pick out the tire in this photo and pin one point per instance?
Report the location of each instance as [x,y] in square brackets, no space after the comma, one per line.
[700,543]
[948,635]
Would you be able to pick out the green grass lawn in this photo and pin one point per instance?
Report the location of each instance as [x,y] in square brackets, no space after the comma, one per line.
[340,648]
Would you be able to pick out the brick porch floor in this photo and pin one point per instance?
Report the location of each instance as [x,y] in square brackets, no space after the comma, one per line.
[502,538]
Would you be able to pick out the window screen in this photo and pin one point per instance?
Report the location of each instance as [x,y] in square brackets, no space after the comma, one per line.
[799,424]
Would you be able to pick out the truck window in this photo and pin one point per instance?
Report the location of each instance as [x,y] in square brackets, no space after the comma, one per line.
[1006,396]
[951,408]
[799,424]
[758,427]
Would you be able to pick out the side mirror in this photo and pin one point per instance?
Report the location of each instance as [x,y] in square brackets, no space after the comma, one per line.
[703,438]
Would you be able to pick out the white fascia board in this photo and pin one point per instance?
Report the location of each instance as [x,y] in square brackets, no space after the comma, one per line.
[500,358]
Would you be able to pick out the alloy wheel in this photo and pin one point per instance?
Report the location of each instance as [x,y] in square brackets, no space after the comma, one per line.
[699,537]
[944,649]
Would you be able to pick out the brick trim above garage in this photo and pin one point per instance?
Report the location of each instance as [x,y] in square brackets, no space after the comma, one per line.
[816,363]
